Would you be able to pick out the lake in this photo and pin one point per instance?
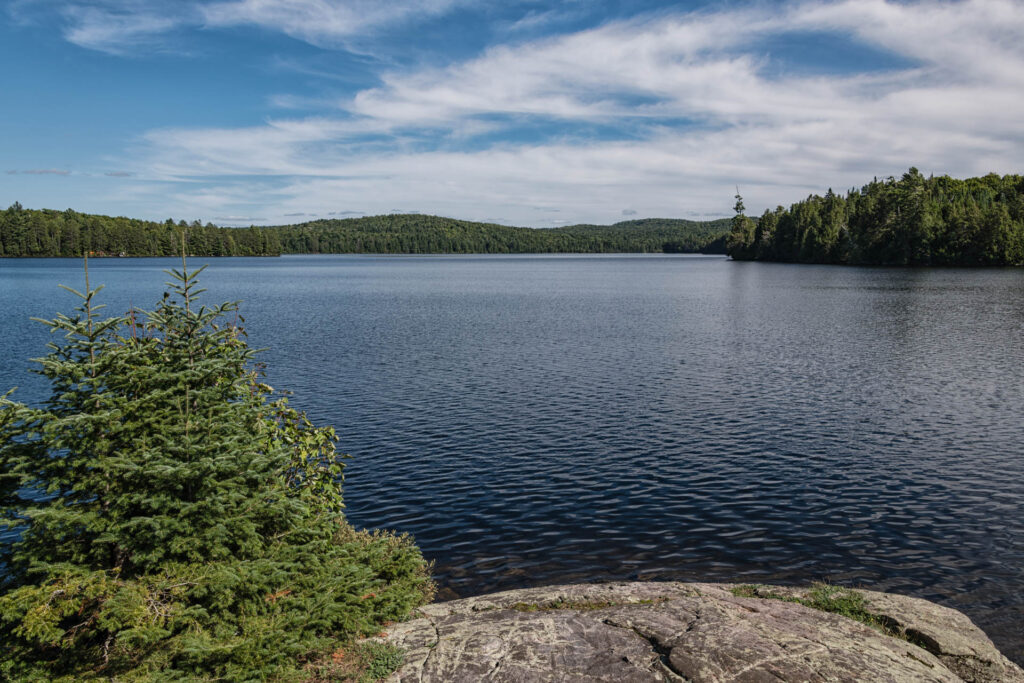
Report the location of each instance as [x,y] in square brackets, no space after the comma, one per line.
[540,419]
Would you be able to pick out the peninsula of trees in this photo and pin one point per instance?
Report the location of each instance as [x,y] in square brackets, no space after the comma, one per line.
[910,221]
[29,232]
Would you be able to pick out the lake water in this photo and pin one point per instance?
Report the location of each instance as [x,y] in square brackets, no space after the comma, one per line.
[539,419]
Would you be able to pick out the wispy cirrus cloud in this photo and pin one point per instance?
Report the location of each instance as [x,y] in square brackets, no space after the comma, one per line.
[129,27]
[41,171]
[323,22]
[113,32]
[239,219]
[123,27]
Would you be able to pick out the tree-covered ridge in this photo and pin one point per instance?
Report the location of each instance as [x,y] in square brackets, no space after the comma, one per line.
[670,235]
[29,232]
[910,221]
[420,234]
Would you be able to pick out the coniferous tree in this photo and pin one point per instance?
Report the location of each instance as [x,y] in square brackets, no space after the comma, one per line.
[910,221]
[740,242]
[174,519]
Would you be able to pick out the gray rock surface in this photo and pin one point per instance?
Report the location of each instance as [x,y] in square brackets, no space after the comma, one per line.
[689,632]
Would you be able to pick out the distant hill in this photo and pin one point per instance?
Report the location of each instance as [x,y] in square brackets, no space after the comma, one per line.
[420,234]
[674,235]
[46,232]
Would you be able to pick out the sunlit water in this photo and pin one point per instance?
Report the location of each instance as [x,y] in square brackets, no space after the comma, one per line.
[573,418]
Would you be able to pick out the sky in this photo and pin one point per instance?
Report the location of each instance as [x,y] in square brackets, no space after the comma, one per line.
[520,112]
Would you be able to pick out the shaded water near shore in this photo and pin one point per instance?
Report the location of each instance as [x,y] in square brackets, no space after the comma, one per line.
[541,419]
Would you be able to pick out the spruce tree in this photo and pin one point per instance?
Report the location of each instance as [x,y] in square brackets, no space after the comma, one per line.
[739,243]
[178,520]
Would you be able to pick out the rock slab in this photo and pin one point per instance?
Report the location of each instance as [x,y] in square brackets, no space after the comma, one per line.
[696,632]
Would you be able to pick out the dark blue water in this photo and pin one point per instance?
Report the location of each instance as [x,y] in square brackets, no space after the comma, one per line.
[560,418]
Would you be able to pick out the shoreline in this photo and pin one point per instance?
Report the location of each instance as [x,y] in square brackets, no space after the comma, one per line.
[672,631]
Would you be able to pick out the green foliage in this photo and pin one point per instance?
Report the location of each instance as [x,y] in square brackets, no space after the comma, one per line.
[381,659]
[910,221]
[668,235]
[839,600]
[741,233]
[418,234]
[30,232]
[364,661]
[178,523]
[315,465]
[828,598]
[26,232]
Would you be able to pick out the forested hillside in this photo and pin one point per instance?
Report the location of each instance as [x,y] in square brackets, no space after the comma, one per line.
[669,235]
[418,234]
[910,221]
[29,232]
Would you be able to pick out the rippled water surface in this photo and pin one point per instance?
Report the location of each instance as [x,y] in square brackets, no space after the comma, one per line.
[560,418]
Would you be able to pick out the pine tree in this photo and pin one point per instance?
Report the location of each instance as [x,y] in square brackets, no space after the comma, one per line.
[176,520]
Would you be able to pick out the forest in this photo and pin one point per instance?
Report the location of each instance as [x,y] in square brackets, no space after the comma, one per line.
[419,234]
[914,220]
[46,232]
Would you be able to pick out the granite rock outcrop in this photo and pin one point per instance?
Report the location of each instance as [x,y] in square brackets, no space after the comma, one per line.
[691,632]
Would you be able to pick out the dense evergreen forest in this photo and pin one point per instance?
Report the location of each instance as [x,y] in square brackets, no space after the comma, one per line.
[29,232]
[418,234]
[910,221]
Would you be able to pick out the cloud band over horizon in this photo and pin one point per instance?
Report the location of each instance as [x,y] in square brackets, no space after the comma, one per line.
[660,113]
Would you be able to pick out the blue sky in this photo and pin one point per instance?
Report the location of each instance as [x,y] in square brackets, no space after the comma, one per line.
[520,112]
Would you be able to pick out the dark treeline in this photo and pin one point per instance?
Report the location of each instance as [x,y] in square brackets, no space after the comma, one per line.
[418,234]
[45,232]
[910,221]
[31,232]
[670,235]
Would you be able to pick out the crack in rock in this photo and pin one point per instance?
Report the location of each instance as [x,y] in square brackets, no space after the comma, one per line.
[663,651]
[639,632]
[433,647]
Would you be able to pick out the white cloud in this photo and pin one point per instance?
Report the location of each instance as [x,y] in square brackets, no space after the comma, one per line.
[44,171]
[323,22]
[955,110]
[122,26]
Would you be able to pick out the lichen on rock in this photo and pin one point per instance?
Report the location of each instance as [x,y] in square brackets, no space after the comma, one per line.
[691,632]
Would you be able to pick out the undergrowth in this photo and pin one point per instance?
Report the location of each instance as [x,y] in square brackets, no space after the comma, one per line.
[356,662]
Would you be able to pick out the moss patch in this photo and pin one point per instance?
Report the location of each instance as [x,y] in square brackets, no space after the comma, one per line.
[832,599]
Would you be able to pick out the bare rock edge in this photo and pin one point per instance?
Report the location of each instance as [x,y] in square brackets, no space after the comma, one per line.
[688,632]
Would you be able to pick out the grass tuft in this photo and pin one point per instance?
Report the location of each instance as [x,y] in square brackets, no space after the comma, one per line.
[356,662]
[831,599]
